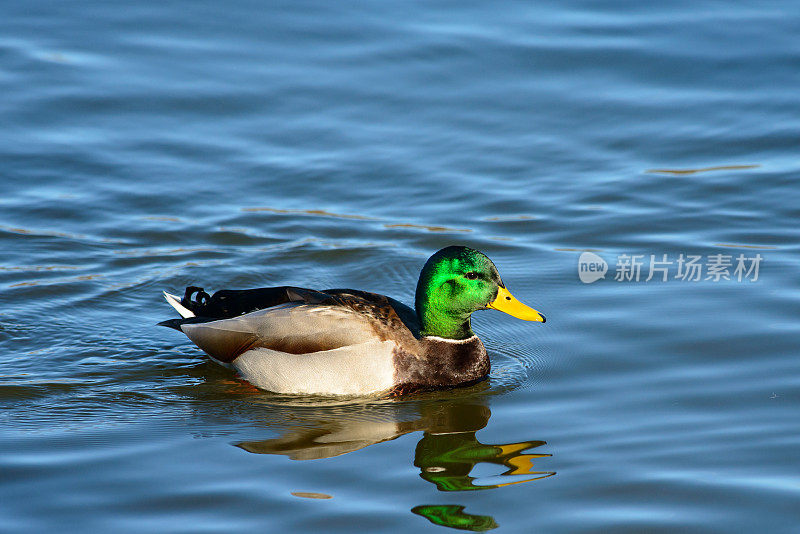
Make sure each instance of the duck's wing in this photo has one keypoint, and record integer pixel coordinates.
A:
(309, 321)
(293, 328)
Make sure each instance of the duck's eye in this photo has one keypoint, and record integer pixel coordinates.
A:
(472, 275)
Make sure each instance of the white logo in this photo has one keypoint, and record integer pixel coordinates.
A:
(591, 267)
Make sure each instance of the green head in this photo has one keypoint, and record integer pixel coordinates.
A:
(455, 282)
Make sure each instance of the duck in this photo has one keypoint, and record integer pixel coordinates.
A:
(346, 342)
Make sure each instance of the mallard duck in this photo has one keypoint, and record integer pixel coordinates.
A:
(348, 342)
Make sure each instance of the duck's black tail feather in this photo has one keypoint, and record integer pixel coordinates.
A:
(172, 323)
(227, 303)
(201, 299)
(176, 323)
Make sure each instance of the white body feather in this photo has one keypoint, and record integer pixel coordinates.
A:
(360, 369)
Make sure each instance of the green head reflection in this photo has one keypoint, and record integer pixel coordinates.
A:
(454, 516)
(449, 451)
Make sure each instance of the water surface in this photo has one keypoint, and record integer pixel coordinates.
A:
(159, 145)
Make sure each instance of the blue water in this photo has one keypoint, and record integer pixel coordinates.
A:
(154, 145)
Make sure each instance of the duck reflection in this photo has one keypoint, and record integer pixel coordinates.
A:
(454, 516)
(449, 451)
(447, 454)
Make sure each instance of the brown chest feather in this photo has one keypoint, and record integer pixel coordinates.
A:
(440, 364)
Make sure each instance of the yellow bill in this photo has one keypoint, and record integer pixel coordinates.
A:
(507, 303)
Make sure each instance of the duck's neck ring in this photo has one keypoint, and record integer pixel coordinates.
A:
(454, 341)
